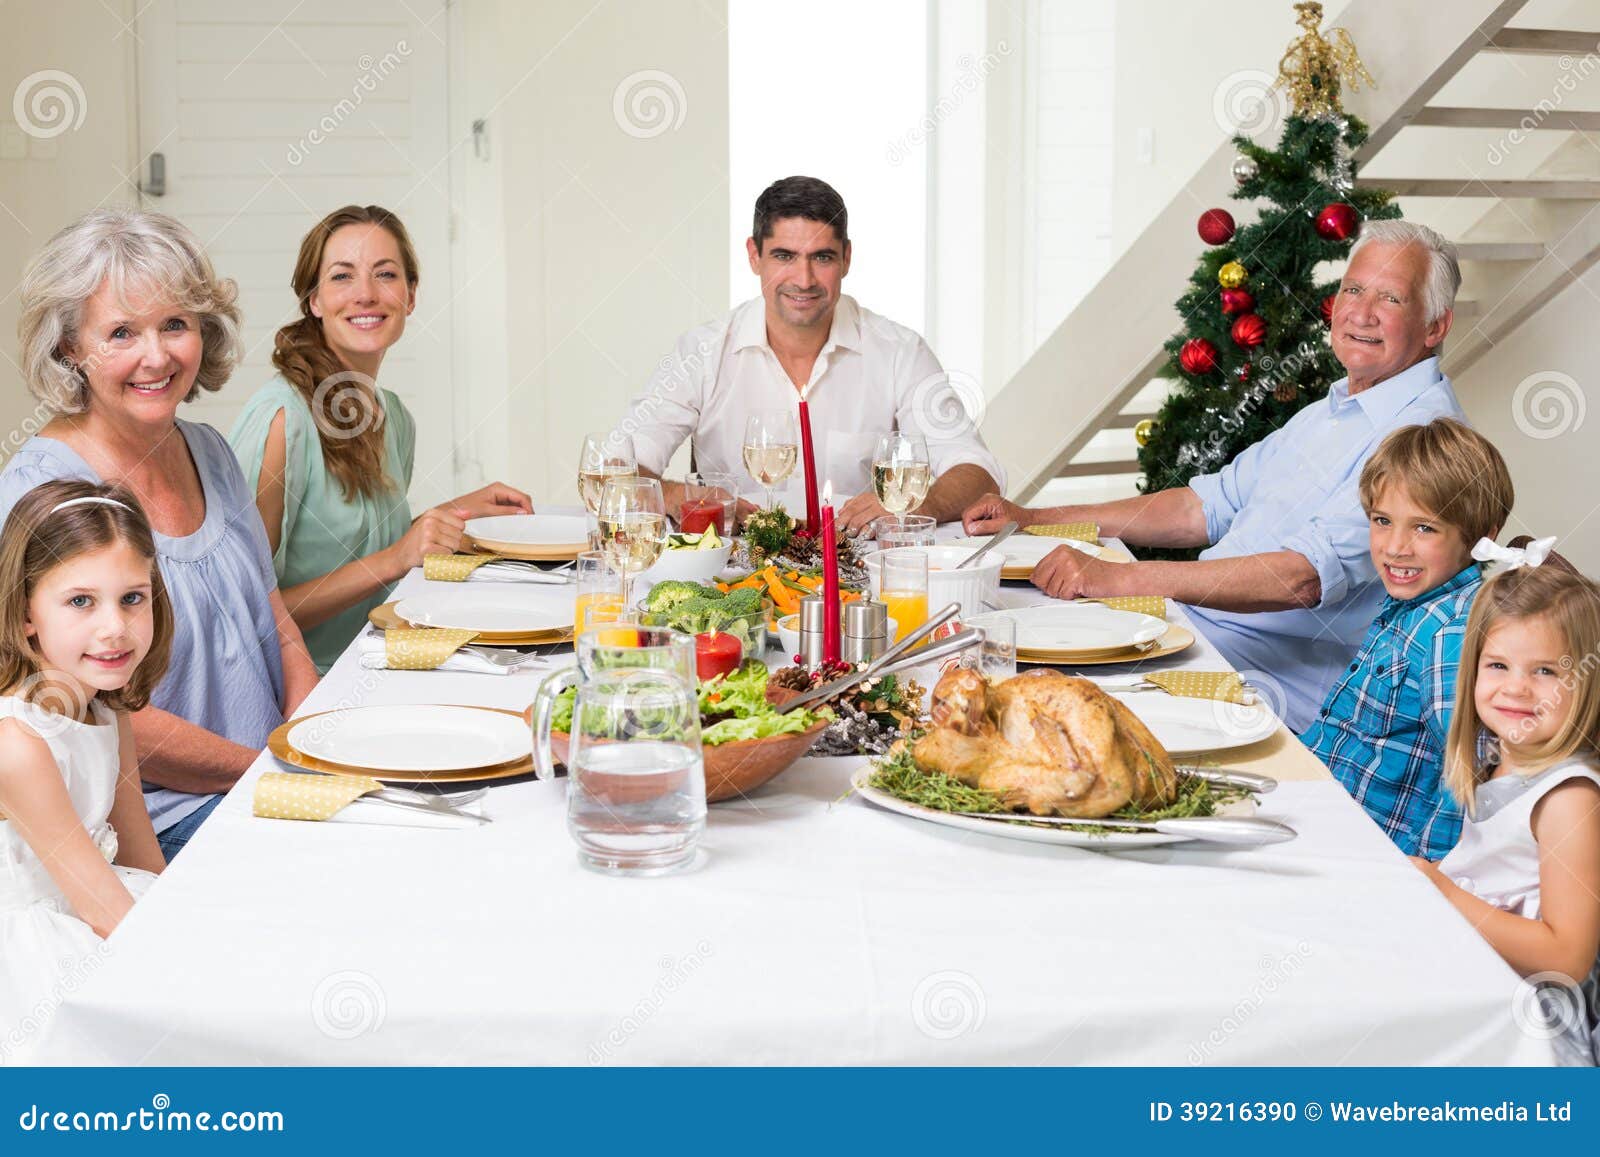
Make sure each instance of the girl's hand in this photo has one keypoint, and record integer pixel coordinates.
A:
(495, 498)
(1431, 870)
(436, 531)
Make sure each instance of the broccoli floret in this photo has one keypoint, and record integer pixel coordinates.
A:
(667, 597)
(742, 603)
(697, 615)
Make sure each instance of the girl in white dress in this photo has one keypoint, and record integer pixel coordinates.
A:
(1523, 757)
(85, 629)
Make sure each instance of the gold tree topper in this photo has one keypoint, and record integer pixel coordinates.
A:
(1315, 64)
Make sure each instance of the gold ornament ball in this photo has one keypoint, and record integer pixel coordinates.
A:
(1232, 275)
(1143, 431)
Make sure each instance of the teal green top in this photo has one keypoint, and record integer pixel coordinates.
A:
(322, 529)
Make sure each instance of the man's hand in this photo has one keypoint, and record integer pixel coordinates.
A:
(860, 513)
(1066, 573)
(991, 512)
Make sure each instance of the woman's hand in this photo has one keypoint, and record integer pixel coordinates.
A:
(436, 531)
(495, 498)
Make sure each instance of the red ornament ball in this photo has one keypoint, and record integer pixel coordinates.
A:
(1237, 301)
(1216, 226)
(1249, 331)
(1337, 221)
(1198, 356)
(1327, 309)
(1242, 374)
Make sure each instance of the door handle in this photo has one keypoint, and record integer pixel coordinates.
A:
(156, 186)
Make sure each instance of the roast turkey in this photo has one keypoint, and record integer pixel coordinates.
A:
(1047, 743)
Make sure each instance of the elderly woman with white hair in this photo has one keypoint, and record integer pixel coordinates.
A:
(122, 322)
(1286, 587)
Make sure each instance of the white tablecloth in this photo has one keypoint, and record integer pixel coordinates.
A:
(813, 930)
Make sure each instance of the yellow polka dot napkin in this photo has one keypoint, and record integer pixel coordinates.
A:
(1139, 604)
(1224, 686)
(453, 568)
(422, 648)
(290, 795)
(1082, 531)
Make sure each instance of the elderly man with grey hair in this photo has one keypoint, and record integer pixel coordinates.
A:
(1286, 587)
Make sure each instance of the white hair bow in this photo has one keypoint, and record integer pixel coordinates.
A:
(1511, 557)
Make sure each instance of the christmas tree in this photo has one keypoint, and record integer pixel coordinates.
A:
(1253, 349)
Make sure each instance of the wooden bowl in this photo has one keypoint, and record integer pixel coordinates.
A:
(732, 769)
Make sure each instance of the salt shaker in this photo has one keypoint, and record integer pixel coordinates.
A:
(866, 631)
(811, 620)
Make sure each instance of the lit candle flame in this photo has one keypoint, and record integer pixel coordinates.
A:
(827, 493)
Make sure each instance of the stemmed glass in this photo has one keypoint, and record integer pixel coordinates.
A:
(901, 473)
(633, 528)
(605, 455)
(771, 448)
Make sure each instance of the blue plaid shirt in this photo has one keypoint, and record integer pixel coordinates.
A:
(1382, 729)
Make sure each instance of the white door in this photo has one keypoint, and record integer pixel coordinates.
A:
(267, 115)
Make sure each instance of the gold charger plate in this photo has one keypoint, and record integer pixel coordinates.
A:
(1022, 572)
(385, 619)
(278, 744)
(1176, 639)
(545, 552)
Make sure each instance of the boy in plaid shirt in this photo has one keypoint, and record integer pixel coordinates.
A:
(1430, 492)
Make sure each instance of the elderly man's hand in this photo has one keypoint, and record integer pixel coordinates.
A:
(991, 512)
(1066, 573)
(860, 513)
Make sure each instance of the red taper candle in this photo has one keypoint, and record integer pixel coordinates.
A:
(830, 583)
(810, 460)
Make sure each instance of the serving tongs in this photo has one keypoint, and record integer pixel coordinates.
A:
(894, 659)
(1245, 831)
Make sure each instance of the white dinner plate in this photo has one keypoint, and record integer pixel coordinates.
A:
(415, 738)
(1023, 552)
(1033, 833)
(501, 608)
(547, 530)
(1066, 628)
(1195, 726)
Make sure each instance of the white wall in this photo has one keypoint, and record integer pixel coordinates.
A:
(1550, 431)
(56, 179)
(614, 242)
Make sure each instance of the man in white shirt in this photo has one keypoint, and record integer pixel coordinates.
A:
(862, 375)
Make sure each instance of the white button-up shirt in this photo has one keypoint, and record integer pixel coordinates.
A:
(872, 377)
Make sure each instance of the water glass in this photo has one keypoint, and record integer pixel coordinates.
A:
(599, 598)
(709, 500)
(902, 582)
(910, 530)
(996, 657)
(636, 789)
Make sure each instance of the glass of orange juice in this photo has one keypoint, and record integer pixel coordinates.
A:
(903, 588)
(599, 597)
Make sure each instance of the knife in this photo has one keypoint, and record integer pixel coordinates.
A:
(998, 537)
(1246, 831)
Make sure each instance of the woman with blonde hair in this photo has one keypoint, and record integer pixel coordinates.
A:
(123, 320)
(328, 453)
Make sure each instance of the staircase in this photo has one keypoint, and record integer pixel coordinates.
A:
(1524, 218)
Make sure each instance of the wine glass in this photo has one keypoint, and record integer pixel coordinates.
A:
(633, 527)
(606, 454)
(771, 448)
(901, 472)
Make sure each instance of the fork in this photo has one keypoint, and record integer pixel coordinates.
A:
(510, 660)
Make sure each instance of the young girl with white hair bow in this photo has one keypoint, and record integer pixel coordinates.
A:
(1523, 757)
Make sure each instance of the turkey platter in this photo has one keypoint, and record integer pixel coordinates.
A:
(1046, 743)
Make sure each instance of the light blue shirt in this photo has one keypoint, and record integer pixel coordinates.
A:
(226, 669)
(1298, 489)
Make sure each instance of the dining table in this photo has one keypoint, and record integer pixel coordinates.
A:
(813, 928)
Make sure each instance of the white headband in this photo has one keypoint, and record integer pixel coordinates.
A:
(90, 498)
(1514, 558)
